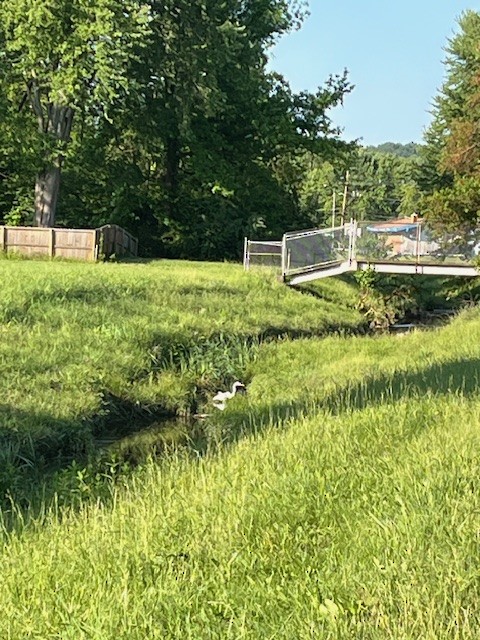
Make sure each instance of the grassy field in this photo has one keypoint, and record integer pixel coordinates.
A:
(90, 349)
(341, 500)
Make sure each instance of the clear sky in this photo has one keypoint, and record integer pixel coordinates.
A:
(394, 52)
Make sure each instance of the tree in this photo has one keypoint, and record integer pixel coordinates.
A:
(451, 168)
(458, 106)
(65, 58)
(225, 126)
(381, 185)
(170, 125)
(408, 150)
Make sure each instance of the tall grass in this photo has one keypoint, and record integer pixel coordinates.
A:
(85, 347)
(362, 525)
(348, 509)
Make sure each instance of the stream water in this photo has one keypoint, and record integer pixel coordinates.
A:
(436, 318)
(153, 437)
(150, 439)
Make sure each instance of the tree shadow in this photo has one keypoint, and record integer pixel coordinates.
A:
(460, 377)
(38, 450)
(65, 468)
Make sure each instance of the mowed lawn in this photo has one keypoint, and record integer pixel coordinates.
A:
(343, 502)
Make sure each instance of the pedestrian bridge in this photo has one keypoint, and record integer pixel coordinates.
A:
(401, 247)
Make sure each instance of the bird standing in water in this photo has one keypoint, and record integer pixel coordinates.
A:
(219, 400)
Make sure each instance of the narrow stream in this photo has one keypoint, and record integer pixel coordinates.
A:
(155, 438)
(431, 320)
(167, 432)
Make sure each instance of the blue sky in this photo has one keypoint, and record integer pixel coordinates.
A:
(394, 52)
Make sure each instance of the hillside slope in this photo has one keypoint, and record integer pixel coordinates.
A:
(349, 509)
(87, 350)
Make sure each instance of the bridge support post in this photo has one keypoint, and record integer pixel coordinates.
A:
(284, 257)
(352, 235)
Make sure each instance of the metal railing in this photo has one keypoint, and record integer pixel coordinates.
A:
(316, 249)
(262, 253)
(417, 242)
(379, 242)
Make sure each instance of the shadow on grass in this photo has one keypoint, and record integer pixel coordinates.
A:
(76, 472)
(460, 377)
(38, 450)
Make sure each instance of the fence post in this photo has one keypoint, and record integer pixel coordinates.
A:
(245, 254)
(351, 240)
(284, 256)
(3, 239)
(117, 240)
(95, 235)
(51, 243)
(354, 241)
(417, 247)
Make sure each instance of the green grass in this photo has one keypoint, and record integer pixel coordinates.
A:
(362, 525)
(86, 349)
(340, 501)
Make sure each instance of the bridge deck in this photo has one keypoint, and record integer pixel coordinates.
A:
(422, 268)
(405, 268)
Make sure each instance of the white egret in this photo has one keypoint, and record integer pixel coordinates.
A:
(219, 400)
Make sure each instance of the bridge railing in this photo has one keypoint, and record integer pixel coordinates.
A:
(416, 242)
(315, 248)
(378, 242)
(262, 253)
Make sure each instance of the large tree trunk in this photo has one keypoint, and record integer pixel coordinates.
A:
(54, 120)
(47, 187)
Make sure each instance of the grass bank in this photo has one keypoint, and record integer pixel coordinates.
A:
(349, 509)
(90, 349)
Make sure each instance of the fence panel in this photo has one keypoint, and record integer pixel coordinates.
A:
(38, 241)
(262, 253)
(76, 244)
(116, 241)
(416, 242)
(312, 249)
(444, 246)
(79, 244)
(29, 241)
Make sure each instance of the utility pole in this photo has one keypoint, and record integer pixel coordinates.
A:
(345, 194)
(334, 205)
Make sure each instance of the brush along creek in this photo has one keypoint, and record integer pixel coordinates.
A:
(286, 374)
(135, 432)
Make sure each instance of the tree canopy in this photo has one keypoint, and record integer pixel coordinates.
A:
(160, 116)
(62, 58)
(451, 158)
(360, 182)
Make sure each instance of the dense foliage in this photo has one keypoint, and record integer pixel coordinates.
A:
(161, 116)
(408, 150)
(451, 158)
(367, 183)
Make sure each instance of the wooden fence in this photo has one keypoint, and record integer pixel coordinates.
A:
(116, 241)
(78, 244)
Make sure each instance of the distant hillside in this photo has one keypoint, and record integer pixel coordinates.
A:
(396, 149)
